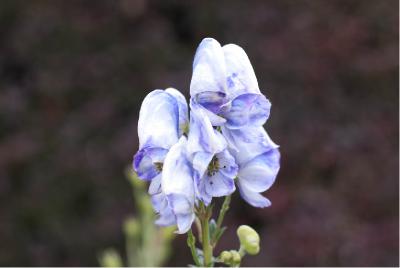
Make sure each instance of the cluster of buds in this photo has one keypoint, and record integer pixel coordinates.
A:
(249, 244)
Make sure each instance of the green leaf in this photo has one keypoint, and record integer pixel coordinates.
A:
(220, 233)
(212, 227)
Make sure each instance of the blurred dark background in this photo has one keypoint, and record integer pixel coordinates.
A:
(72, 78)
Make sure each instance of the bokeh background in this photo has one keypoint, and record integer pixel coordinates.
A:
(72, 78)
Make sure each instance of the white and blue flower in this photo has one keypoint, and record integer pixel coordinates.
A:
(188, 161)
(224, 84)
(162, 120)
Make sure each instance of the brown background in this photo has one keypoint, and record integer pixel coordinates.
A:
(73, 75)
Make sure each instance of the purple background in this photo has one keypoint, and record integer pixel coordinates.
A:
(72, 78)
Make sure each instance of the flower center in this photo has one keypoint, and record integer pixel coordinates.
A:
(213, 167)
(159, 166)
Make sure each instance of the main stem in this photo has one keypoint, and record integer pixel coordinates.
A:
(207, 248)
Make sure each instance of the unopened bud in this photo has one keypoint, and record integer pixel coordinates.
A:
(110, 258)
(131, 227)
(236, 259)
(225, 256)
(249, 239)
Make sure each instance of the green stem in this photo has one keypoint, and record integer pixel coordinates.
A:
(191, 241)
(242, 251)
(198, 226)
(207, 249)
(224, 209)
(204, 214)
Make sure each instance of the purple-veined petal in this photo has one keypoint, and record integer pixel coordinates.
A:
(155, 185)
(247, 143)
(248, 110)
(145, 160)
(182, 208)
(205, 109)
(202, 194)
(202, 135)
(218, 182)
(219, 185)
(159, 202)
(200, 161)
(212, 101)
(180, 203)
(240, 75)
(158, 120)
(177, 175)
(227, 164)
(160, 205)
(182, 108)
(209, 72)
(260, 173)
(253, 198)
(184, 222)
(166, 219)
(177, 184)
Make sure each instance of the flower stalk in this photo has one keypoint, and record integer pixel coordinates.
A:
(204, 215)
(191, 241)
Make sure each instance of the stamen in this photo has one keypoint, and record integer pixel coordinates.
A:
(159, 166)
(213, 167)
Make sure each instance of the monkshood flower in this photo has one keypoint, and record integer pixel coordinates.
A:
(177, 185)
(223, 145)
(224, 89)
(163, 120)
(258, 158)
(224, 84)
(214, 167)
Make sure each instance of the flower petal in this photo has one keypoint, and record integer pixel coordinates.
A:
(178, 186)
(158, 120)
(166, 219)
(207, 108)
(144, 162)
(209, 72)
(240, 75)
(253, 198)
(260, 173)
(219, 185)
(159, 202)
(247, 143)
(177, 172)
(184, 222)
(248, 110)
(182, 208)
(221, 182)
(202, 135)
(155, 185)
(212, 101)
(200, 161)
(227, 164)
(182, 108)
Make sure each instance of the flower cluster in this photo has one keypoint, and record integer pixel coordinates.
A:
(221, 145)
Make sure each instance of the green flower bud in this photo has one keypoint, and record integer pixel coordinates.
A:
(132, 227)
(225, 256)
(236, 259)
(110, 258)
(249, 239)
